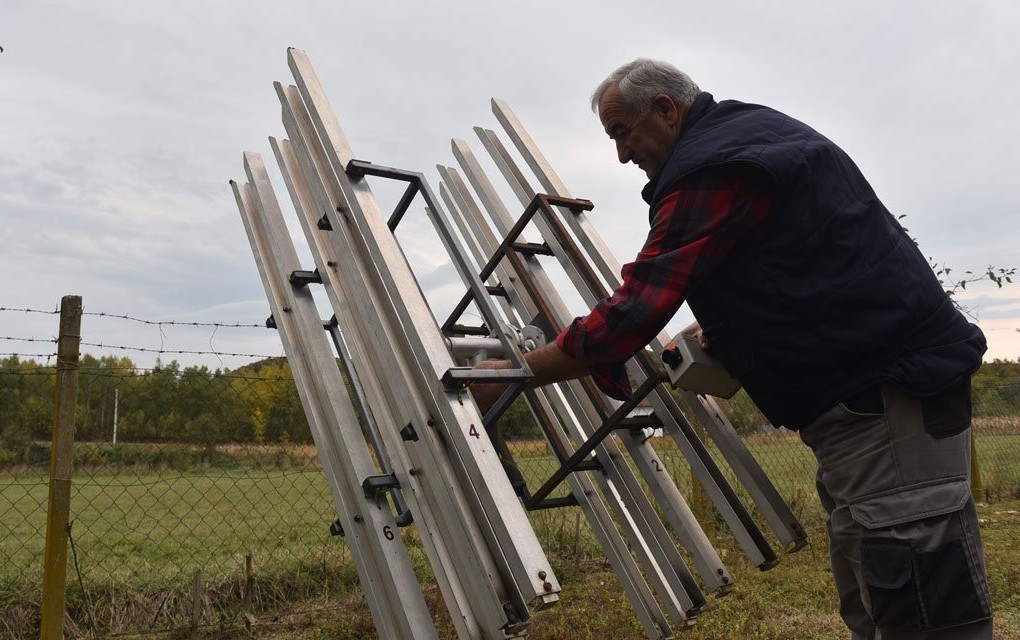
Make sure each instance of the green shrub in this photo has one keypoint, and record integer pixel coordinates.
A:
(15, 436)
(8, 457)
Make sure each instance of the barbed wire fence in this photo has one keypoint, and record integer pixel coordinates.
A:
(198, 500)
(184, 475)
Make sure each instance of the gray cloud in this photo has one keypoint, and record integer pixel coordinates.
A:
(122, 123)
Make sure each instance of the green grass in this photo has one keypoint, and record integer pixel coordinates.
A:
(127, 527)
(146, 534)
(999, 464)
(794, 601)
(142, 533)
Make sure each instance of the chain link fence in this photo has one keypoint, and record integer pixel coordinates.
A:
(179, 475)
(198, 499)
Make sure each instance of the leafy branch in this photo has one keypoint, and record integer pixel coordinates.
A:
(951, 284)
(999, 276)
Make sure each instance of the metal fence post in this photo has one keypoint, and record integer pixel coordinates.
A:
(54, 583)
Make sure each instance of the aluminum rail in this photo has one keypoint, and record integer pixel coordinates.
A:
(514, 546)
(381, 560)
(435, 499)
(482, 602)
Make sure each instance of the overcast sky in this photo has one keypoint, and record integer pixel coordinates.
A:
(121, 123)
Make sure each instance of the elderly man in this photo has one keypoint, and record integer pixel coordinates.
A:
(814, 297)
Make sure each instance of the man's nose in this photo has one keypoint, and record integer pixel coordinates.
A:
(622, 152)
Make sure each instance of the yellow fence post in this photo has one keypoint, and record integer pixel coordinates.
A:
(54, 583)
(977, 488)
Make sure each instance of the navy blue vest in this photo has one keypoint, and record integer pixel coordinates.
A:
(828, 297)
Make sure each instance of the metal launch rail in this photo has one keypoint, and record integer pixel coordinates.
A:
(402, 442)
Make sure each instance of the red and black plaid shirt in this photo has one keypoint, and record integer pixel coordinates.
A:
(694, 226)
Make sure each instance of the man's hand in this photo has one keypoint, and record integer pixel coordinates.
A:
(486, 395)
(694, 330)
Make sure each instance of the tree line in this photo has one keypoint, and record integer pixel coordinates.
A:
(259, 403)
(255, 404)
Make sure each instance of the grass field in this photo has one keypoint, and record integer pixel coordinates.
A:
(141, 534)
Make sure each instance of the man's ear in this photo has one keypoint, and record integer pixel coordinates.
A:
(668, 109)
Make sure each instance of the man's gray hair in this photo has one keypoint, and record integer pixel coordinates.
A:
(643, 79)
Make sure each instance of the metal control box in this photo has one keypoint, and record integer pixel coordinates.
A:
(690, 368)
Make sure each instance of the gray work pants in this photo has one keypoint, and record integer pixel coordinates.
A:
(893, 475)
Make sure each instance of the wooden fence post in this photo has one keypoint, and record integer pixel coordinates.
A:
(196, 605)
(977, 487)
(54, 582)
(701, 505)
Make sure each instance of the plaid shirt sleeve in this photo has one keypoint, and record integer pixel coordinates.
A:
(693, 228)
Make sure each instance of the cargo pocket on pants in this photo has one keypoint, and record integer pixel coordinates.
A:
(916, 558)
(888, 567)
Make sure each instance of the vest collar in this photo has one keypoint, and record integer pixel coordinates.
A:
(701, 105)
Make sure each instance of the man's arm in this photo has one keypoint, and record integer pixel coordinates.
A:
(548, 364)
(693, 228)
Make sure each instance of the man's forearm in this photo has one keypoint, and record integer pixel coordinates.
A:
(550, 364)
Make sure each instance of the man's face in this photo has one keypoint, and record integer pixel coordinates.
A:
(644, 140)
